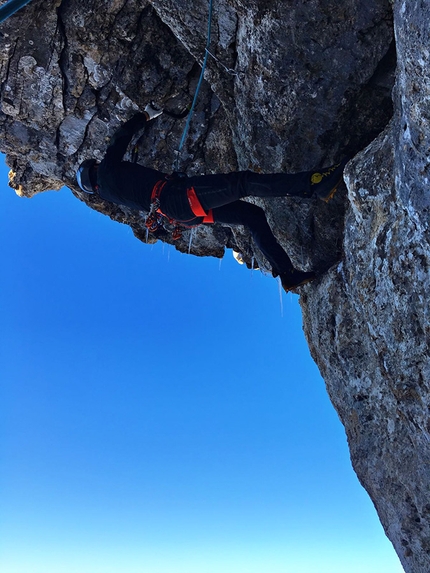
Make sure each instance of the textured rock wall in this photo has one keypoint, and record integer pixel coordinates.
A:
(367, 322)
(311, 81)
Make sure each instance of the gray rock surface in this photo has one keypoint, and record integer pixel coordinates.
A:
(367, 322)
(311, 81)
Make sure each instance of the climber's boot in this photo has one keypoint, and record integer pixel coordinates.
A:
(324, 183)
(294, 278)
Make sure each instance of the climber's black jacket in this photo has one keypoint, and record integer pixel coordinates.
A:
(130, 184)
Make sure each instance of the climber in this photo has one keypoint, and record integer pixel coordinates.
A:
(191, 201)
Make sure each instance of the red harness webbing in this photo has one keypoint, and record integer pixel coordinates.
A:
(156, 191)
(196, 206)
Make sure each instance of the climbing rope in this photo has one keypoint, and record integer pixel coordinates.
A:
(205, 60)
(11, 7)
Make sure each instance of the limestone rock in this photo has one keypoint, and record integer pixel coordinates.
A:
(367, 322)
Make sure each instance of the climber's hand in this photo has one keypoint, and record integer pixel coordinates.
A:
(152, 111)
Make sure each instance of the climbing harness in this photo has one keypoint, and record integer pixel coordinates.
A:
(156, 218)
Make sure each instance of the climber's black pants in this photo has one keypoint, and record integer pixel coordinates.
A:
(222, 192)
(218, 190)
(254, 218)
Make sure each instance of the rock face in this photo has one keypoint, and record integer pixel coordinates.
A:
(294, 86)
(368, 320)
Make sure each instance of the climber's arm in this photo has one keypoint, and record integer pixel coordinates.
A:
(122, 137)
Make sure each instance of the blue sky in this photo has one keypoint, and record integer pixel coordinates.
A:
(159, 414)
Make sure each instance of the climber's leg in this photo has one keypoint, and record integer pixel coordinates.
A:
(217, 190)
(324, 183)
(254, 218)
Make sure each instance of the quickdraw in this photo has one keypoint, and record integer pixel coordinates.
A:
(154, 220)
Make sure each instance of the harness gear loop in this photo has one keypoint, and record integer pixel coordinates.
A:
(154, 219)
(156, 191)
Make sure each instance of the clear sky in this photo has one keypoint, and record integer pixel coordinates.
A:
(159, 414)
